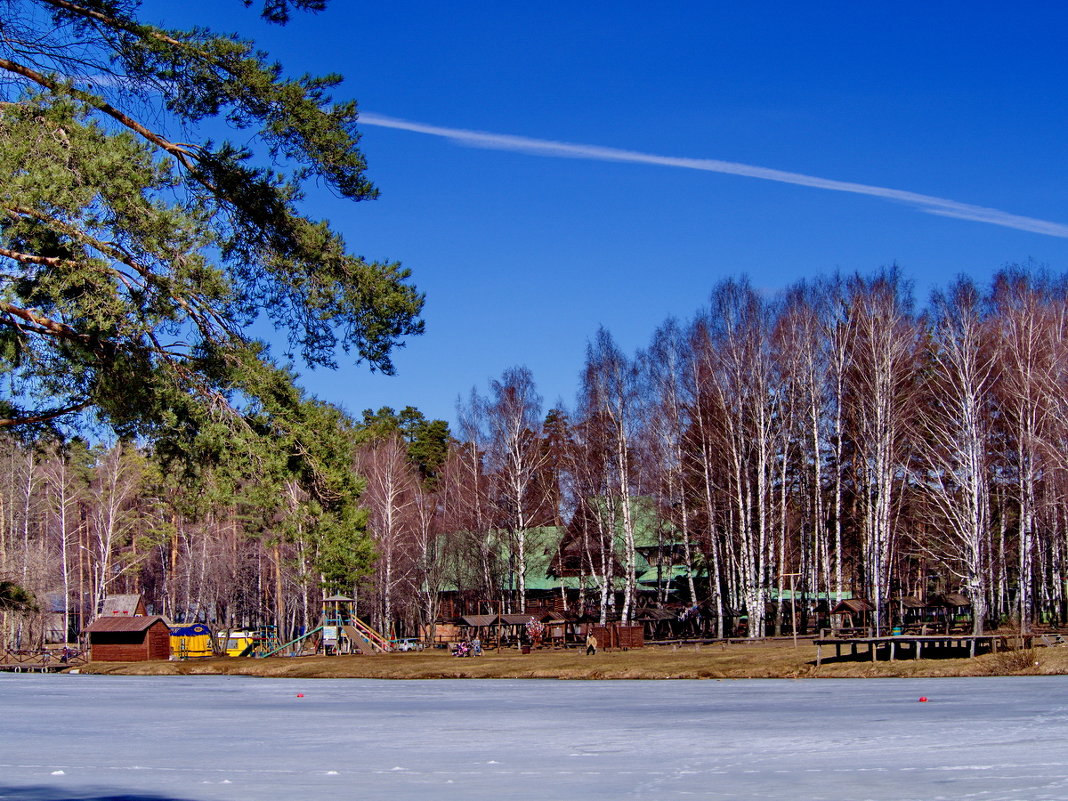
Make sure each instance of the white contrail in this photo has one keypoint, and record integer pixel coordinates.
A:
(548, 147)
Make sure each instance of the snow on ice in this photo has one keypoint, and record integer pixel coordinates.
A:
(86, 738)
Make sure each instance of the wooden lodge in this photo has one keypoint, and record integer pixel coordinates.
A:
(138, 638)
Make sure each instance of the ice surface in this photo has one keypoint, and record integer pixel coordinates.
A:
(223, 738)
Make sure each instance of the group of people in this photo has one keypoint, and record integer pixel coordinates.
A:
(465, 648)
(474, 647)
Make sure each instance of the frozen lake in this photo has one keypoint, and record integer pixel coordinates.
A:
(207, 738)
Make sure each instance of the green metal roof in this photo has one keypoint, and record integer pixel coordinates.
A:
(649, 575)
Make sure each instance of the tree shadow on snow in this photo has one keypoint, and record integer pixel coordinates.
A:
(87, 794)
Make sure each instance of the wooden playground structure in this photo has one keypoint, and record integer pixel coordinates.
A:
(341, 632)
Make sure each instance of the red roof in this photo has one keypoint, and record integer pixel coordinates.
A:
(135, 623)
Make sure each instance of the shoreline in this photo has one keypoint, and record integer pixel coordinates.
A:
(757, 660)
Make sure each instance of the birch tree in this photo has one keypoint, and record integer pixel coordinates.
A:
(1028, 326)
(117, 483)
(390, 497)
(608, 397)
(591, 531)
(746, 425)
(517, 461)
(881, 376)
(65, 481)
(803, 349)
(664, 423)
(952, 438)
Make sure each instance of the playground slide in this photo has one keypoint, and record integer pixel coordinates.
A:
(359, 640)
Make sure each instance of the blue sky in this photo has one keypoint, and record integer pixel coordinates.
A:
(522, 256)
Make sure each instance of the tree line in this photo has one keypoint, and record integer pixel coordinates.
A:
(831, 437)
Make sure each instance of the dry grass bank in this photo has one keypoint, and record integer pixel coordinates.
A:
(736, 661)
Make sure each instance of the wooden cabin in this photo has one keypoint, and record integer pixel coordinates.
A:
(139, 638)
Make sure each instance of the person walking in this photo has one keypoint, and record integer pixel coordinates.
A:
(591, 644)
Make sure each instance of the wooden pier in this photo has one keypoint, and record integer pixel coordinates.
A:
(917, 646)
(38, 661)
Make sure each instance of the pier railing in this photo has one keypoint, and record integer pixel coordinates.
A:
(39, 660)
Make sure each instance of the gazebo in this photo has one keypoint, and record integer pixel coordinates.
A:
(953, 609)
(852, 613)
(659, 624)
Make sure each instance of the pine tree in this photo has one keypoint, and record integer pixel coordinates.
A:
(131, 263)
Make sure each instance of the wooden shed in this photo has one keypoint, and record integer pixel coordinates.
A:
(139, 638)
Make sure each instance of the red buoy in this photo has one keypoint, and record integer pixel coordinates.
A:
(923, 699)
(301, 695)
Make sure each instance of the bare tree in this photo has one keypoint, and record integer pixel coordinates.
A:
(468, 513)
(881, 378)
(702, 461)
(517, 460)
(589, 546)
(744, 416)
(665, 420)
(609, 402)
(952, 439)
(1028, 313)
(805, 353)
(117, 484)
(390, 495)
(65, 484)
(431, 544)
